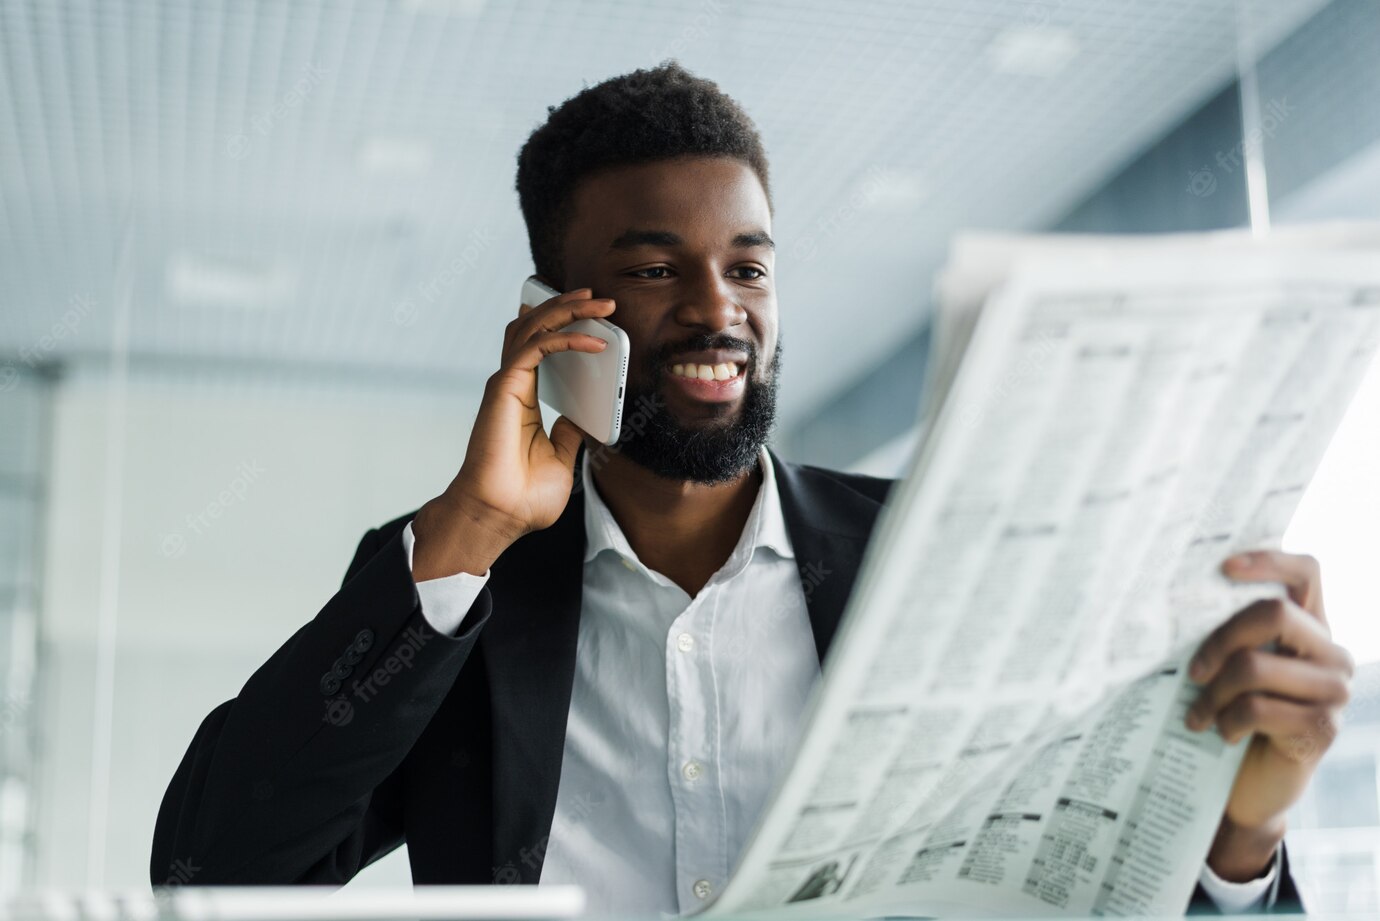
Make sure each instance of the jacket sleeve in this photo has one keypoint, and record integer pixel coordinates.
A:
(1286, 900)
(296, 779)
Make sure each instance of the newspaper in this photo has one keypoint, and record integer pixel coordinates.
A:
(999, 729)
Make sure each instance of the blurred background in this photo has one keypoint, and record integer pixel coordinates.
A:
(256, 259)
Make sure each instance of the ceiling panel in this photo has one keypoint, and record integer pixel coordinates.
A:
(331, 182)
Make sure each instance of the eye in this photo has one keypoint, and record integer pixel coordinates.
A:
(662, 268)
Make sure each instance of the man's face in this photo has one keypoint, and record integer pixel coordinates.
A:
(683, 247)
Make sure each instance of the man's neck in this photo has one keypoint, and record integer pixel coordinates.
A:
(683, 530)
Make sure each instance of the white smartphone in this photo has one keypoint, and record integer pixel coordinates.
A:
(586, 387)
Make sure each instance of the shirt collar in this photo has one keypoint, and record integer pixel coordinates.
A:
(765, 526)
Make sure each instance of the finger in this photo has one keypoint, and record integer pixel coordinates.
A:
(1291, 726)
(1251, 670)
(572, 293)
(1299, 572)
(543, 344)
(566, 438)
(551, 318)
(520, 328)
(559, 313)
(1270, 620)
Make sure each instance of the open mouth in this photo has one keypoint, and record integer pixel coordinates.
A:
(707, 379)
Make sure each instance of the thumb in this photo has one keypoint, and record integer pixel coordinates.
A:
(566, 438)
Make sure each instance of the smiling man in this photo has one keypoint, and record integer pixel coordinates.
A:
(557, 669)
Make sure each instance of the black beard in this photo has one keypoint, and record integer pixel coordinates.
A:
(714, 452)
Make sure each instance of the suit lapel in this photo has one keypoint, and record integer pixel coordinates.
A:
(529, 651)
(829, 524)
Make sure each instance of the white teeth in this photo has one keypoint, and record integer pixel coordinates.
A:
(723, 371)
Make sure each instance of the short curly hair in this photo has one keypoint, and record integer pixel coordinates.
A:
(647, 115)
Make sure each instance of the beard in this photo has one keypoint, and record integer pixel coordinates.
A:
(712, 451)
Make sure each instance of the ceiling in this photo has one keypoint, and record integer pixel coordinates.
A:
(329, 184)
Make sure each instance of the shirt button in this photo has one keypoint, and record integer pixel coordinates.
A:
(685, 642)
(692, 771)
(628, 564)
(703, 889)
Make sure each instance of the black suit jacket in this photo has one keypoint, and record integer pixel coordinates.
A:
(367, 728)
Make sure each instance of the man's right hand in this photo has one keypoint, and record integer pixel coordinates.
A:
(515, 479)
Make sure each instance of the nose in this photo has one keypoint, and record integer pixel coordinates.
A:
(709, 302)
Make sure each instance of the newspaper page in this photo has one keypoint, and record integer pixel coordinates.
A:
(1000, 725)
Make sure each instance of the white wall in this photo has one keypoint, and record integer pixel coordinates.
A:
(240, 507)
(23, 478)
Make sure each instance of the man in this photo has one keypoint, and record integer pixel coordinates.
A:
(557, 669)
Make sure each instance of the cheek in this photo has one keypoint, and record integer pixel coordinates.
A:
(768, 336)
(639, 342)
(640, 356)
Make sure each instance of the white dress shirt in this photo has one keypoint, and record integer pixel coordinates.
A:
(683, 714)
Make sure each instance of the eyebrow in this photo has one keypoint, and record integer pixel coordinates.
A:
(631, 239)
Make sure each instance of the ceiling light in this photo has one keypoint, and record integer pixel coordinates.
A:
(893, 190)
(1034, 51)
(444, 7)
(200, 279)
(394, 156)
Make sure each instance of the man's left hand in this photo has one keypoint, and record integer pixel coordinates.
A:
(1271, 670)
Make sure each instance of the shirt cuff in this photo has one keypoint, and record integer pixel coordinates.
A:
(446, 600)
(1237, 898)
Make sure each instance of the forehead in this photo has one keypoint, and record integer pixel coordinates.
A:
(709, 197)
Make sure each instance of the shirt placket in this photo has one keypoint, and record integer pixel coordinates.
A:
(693, 753)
